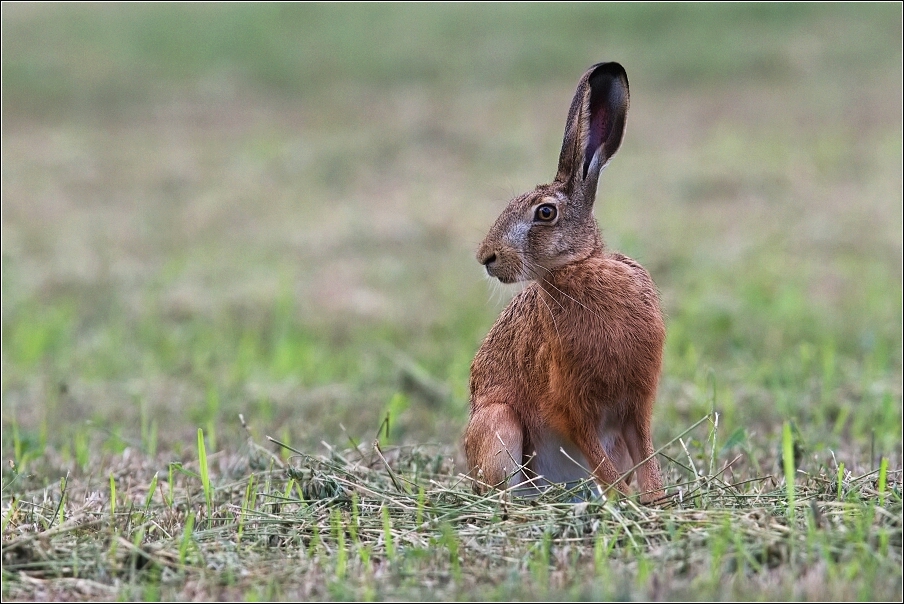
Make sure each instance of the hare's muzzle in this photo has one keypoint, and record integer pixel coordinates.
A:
(498, 268)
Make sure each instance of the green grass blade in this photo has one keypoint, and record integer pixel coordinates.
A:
(387, 534)
(205, 473)
(112, 497)
(840, 489)
(151, 489)
(883, 473)
(186, 540)
(341, 551)
(788, 466)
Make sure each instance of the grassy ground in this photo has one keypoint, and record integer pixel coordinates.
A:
(271, 211)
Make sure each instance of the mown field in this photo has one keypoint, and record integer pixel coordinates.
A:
(225, 226)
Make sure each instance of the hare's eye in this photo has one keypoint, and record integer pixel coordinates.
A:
(545, 213)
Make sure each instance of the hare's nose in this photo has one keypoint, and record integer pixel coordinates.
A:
(488, 259)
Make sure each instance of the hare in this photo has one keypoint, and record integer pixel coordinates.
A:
(564, 382)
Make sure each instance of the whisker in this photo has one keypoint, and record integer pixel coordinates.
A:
(573, 299)
(551, 314)
(539, 280)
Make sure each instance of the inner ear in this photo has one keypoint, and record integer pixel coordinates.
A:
(605, 115)
(597, 129)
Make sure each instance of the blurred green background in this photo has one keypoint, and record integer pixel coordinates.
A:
(272, 210)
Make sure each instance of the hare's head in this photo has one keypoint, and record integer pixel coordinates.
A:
(553, 225)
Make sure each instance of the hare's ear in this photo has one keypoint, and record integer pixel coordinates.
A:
(595, 127)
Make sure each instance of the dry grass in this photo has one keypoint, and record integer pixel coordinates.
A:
(369, 523)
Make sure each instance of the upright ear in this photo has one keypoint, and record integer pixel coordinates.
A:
(595, 128)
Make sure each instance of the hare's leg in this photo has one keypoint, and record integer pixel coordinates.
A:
(601, 464)
(640, 444)
(493, 445)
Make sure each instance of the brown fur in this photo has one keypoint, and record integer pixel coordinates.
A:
(577, 354)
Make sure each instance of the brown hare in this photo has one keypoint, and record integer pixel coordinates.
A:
(565, 380)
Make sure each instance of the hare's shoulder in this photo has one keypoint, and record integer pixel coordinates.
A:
(634, 267)
(642, 282)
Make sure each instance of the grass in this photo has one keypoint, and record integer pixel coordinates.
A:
(226, 223)
(349, 530)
